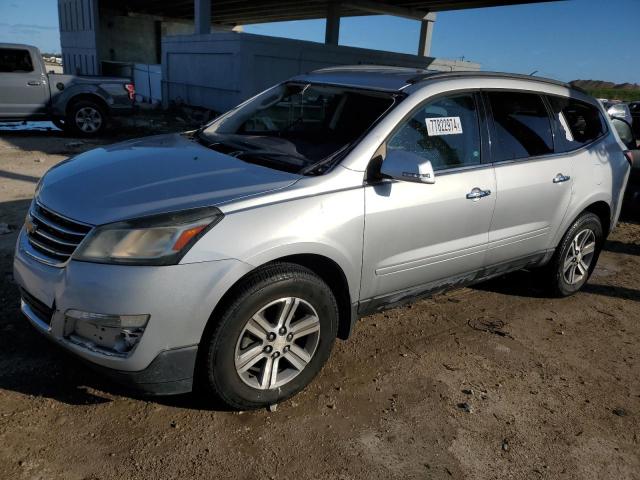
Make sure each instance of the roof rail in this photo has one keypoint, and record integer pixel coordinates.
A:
(436, 75)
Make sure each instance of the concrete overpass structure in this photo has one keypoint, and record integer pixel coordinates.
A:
(205, 59)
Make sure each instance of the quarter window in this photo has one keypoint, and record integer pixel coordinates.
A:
(578, 123)
(13, 60)
(445, 132)
(522, 126)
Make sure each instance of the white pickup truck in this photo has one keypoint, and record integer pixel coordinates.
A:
(81, 105)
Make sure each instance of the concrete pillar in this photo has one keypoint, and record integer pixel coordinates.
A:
(332, 29)
(426, 31)
(202, 16)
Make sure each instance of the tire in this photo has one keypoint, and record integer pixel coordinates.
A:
(238, 351)
(586, 230)
(86, 118)
(60, 123)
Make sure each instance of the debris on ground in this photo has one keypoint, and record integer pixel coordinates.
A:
(5, 228)
(495, 327)
(553, 409)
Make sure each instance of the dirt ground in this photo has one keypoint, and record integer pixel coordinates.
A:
(494, 381)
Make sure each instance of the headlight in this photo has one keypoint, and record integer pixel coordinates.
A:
(154, 240)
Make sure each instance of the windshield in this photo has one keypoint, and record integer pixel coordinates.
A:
(297, 126)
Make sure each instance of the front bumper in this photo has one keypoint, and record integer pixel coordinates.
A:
(178, 298)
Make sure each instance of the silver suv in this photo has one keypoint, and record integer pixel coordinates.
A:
(233, 256)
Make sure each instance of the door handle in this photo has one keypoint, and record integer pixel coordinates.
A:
(33, 83)
(559, 178)
(477, 193)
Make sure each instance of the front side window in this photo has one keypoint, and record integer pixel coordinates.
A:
(445, 131)
(13, 60)
(521, 126)
(578, 123)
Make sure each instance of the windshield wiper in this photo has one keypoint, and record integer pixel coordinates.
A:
(289, 162)
(326, 160)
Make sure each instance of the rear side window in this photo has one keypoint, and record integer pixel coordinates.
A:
(578, 123)
(444, 131)
(521, 126)
(13, 60)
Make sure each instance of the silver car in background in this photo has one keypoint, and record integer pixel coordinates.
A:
(235, 255)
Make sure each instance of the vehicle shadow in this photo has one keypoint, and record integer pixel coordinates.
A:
(522, 283)
(32, 365)
(622, 247)
(527, 284)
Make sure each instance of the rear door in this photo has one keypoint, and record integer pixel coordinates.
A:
(418, 236)
(23, 88)
(534, 183)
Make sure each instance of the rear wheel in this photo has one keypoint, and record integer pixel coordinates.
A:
(86, 118)
(272, 339)
(576, 255)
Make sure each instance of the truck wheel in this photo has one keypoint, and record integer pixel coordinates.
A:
(60, 123)
(272, 338)
(86, 118)
(576, 256)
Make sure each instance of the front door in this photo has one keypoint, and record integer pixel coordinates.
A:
(23, 89)
(420, 236)
(534, 185)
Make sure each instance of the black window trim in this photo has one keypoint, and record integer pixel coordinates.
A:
(487, 135)
(482, 127)
(491, 122)
(556, 126)
(547, 156)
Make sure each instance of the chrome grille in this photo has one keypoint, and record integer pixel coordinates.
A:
(52, 235)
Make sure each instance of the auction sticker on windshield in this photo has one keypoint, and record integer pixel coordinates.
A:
(443, 126)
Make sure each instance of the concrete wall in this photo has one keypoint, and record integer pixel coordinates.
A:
(219, 70)
(78, 27)
(127, 39)
(148, 81)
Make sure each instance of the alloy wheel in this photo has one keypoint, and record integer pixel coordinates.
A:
(88, 119)
(579, 257)
(277, 343)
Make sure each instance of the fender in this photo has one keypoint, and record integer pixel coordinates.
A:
(575, 210)
(60, 98)
(64, 88)
(346, 264)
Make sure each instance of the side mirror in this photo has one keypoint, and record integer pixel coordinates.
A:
(407, 167)
(625, 132)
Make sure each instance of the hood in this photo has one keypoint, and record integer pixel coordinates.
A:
(151, 175)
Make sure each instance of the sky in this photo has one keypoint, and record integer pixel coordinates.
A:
(568, 40)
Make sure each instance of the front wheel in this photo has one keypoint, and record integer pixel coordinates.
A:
(272, 339)
(576, 255)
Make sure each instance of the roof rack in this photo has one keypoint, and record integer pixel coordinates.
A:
(436, 75)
